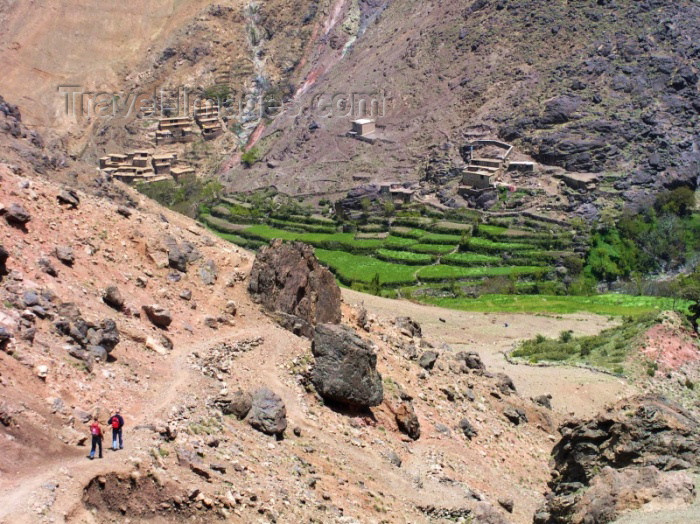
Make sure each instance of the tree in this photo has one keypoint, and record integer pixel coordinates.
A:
(465, 240)
(679, 202)
(688, 288)
(375, 286)
(250, 157)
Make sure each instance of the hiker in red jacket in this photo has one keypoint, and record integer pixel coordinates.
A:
(96, 432)
(117, 423)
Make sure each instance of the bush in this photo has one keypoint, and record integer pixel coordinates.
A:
(250, 157)
(566, 336)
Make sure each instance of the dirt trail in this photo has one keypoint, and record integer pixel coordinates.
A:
(574, 390)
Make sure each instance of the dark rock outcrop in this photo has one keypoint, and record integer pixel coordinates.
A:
(268, 413)
(640, 444)
(345, 368)
(288, 281)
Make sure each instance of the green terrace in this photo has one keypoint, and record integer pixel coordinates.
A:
(400, 253)
(458, 261)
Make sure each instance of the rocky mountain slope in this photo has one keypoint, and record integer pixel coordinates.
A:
(136, 307)
(607, 87)
(167, 343)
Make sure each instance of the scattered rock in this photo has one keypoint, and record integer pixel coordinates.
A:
(68, 197)
(603, 464)
(177, 258)
(124, 211)
(345, 368)
(238, 404)
(507, 504)
(113, 298)
(471, 359)
(16, 215)
(159, 316)
(46, 266)
(543, 400)
(230, 308)
(5, 337)
(65, 255)
(466, 428)
(427, 360)
(409, 326)
(290, 283)
(267, 413)
(42, 371)
(186, 294)
(4, 255)
(208, 273)
(407, 421)
(505, 384)
(515, 415)
(393, 458)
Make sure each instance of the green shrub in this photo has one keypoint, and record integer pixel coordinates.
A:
(566, 336)
(250, 157)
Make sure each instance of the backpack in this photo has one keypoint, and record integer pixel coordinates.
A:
(95, 429)
(115, 423)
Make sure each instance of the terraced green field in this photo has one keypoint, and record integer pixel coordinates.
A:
(432, 260)
(441, 272)
(405, 257)
(351, 268)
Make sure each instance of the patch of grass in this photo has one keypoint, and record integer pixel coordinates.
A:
(457, 272)
(607, 350)
(609, 305)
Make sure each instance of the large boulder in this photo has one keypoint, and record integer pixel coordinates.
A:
(288, 281)
(268, 413)
(635, 443)
(345, 368)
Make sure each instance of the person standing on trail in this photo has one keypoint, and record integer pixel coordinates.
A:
(117, 423)
(96, 432)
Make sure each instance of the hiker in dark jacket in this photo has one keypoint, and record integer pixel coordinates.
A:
(117, 423)
(96, 432)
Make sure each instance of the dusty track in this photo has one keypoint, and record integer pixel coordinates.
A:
(574, 390)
